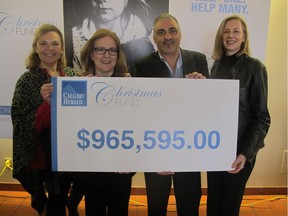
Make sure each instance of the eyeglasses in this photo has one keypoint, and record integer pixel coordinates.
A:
(102, 51)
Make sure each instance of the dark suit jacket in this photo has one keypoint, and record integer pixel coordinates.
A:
(153, 66)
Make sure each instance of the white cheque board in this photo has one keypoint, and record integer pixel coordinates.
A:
(143, 124)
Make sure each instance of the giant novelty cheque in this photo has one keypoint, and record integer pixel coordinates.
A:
(143, 124)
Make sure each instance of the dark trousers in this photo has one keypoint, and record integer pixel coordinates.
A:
(106, 193)
(37, 182)
(187, 189)
(225, 191)
(56, 204)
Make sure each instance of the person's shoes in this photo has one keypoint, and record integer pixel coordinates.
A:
(39, 205)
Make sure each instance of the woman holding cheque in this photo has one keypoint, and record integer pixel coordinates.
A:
(233, 61)
(31, 119)
(106, 193)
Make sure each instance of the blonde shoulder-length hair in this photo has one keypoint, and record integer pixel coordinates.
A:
(85, 56)
(33, 59)
(219, 49)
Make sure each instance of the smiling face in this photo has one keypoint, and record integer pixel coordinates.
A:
(49, 49)
(233, 36)
(167, 36)
(104, 63)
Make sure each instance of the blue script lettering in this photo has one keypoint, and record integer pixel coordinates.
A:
(6, 23)
(32, 22)
(105, 93)
(137, 93)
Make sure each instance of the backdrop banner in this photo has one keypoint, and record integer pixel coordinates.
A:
(143, 125)
(18, 21)
(198, 20)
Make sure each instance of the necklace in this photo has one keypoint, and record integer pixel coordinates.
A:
(53, 73)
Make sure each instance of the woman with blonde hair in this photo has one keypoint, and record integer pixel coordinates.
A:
(31, 120)
(233, 61)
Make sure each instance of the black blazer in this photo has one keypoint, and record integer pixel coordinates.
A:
(153, 66)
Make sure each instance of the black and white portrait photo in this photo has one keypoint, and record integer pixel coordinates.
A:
(131, 20)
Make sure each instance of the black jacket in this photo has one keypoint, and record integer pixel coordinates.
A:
(153, 66)
(254, 117)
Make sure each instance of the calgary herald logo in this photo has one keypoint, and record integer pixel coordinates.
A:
(74, 93)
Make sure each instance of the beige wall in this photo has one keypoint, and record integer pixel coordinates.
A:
(267, 172)
(268, 167)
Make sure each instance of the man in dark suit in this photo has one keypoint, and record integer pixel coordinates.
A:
(172, 62)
